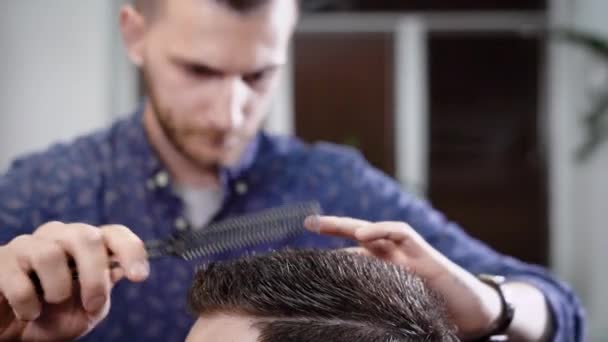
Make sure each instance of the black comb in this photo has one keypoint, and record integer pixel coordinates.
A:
(271, 225)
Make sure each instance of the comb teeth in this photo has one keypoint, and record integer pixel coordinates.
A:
(249, 230)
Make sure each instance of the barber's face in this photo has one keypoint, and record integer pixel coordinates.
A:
(228, 328)
(210, 72)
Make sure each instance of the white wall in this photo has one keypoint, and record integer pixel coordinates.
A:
(579, 190)
(59, 71)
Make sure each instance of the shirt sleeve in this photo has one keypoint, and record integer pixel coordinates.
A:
(59, 184)
(369, 194)
(20, 209)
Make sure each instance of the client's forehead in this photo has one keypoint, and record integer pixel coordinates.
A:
(223, 327)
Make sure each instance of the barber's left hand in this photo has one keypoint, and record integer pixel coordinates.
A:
(473, 305)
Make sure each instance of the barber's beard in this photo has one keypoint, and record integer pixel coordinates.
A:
(180, 138)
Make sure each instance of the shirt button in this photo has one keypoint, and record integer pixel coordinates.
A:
(161, 179)
(241, 188)
(181, 224)
(150, 184)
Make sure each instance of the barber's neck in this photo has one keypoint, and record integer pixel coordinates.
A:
(183, 171)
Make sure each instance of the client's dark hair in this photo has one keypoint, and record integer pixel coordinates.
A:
(311, 296)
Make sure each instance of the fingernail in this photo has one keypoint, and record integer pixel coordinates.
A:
(140, 270)
(95, 304)
(312, 223)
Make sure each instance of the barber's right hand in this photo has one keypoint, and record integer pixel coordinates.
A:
(68, 308)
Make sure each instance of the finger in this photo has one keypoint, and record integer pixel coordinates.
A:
(390, 252)
(86, 246)
(344, 227)
(15, 284)
(128, 250)
(387, 250)
(396, 232)
(21, 296)
(379, 247)
(50, 263)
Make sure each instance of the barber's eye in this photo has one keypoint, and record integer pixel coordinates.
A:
(200, 71)
(256, 77)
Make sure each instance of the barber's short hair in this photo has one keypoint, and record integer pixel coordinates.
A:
(308, 295)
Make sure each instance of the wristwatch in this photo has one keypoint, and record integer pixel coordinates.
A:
(498, 330)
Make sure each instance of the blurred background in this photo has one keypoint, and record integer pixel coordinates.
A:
(467, 103)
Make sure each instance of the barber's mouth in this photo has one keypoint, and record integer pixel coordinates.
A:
(225, 143)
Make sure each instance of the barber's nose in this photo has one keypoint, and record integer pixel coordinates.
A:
(230, 102)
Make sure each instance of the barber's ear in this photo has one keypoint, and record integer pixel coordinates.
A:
(133, 28)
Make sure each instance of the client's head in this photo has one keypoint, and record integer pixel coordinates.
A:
(306, 296)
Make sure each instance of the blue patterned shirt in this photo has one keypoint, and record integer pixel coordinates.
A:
(114, 177)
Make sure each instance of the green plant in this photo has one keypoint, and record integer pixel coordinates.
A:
(596, 119)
